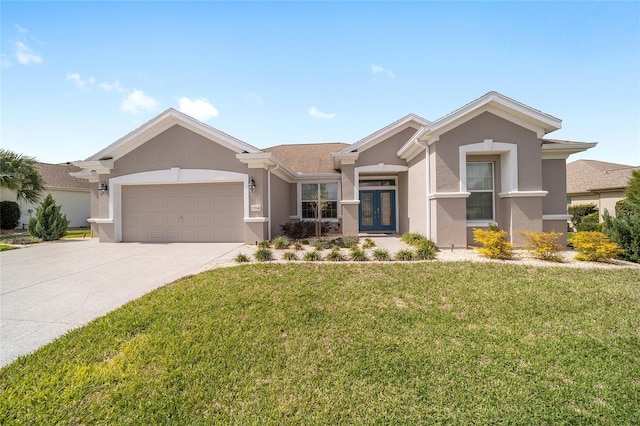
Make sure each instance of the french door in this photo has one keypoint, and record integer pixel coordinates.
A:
(377, 211)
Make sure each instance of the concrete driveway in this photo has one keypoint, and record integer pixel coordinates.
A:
(50, 288)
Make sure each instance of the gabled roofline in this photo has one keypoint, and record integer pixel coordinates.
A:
(378, 136)
(162, 122)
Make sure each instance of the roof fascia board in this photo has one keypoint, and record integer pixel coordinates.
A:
(266, 160)
(413, 146)
(346, 158)
(102, 167)
(378, 136)
(562, 152)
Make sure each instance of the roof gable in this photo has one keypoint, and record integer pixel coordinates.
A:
(161, 123)
(409, 120)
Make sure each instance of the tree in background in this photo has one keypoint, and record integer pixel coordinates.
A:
(49, 224)
(19, 173)
(624, 229)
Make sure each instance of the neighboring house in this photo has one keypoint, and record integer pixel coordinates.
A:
(177, 179)
(597, 182)
(70, 193)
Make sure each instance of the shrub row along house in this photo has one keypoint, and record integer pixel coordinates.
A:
(177, 179)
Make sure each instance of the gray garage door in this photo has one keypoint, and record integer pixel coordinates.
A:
(211, 212)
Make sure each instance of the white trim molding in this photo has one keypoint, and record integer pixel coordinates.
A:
(437, 195)
(508, 162)
(523, 194)
(375, 168)
(556, 216)
(256, 219)
(349, 202)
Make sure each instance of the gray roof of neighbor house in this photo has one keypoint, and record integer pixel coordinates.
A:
(307, 158)
(585, 176)
(57, 176)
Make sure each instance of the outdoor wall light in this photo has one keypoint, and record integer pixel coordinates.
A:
(103, 188)
(252, 184)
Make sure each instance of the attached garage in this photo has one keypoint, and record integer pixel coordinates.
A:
(203, 212)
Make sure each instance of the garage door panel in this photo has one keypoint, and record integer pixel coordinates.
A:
(183, 212)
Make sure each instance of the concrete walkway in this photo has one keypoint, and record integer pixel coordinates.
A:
(50, 288)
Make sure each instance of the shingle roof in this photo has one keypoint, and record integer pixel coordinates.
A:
(307, 158)
(591, 175)
(57, 176)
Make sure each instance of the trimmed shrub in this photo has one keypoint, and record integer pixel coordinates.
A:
(358, 255)
(381, 255)
(302, 229)
(594, 246)
(281, 243)
(9, 214)
(335, 255)
(312, 256)
(242, 258)
(368, 243)
(263, 255)
(543, 245)
(579, 211)
(405, 254)
(49, 224)
(624, 230)
(425, 251)
(289, 255)
(493, 243)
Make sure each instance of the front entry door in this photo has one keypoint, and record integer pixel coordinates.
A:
(377, 211)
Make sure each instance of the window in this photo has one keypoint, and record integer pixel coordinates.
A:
(480, 185)
(326, 191)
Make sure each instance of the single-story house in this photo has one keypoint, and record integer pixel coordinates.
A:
(599, 183)
(177, 179)
(70, 193)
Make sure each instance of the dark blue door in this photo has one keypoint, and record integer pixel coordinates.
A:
(377, 211)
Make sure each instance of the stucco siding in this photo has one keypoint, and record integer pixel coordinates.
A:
(279, 205)
(415, 193)
(554, 181)
(386, 151)
(75, 204)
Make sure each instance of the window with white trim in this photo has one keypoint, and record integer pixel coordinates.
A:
(311, 192)
(480, 184)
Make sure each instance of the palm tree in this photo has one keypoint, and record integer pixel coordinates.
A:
(19, 173)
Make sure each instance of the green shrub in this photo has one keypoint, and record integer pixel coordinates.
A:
(381, 255)
(323, 244)
(579, 211)
(594, 246)
(9, 214)
(412, 238)
(289, 255)
(335, 255)
(348, 241)
(242, 258)
(358, 255)
(264, 244)
(281, 243)
(263, 254)
(302, 229)
(624, 230)
(543, 245)
(297, 246)
(590, 222)
(49, 224)
(22, 240)
(405, 254)
(493, 243)
(368, 243)
(312, 256)
(426, 250)
(305, 242)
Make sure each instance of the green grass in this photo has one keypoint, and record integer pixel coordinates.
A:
(5, 247)
(422, 343)
(78, 233)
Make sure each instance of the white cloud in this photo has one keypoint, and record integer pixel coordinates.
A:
(79, 82)
(137, 101)
(25, 55)
(377, 69)
(116, 86)
(255, 98)
(200, 109)
(314, 112)
(21, 29)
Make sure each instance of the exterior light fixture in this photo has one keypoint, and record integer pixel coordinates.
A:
(252, 184)
(103, 188)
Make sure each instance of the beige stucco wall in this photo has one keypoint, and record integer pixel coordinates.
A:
(76, 204)
(386, 150)
(414, 192)
(602, 200)
(554, 181)
(279, 204)
(449, 224)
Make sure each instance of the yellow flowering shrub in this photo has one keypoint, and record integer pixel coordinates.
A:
(594, 246)
(543, 245)
(493, 243)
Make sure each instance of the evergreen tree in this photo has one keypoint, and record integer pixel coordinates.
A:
(625, 228)
(49, 224)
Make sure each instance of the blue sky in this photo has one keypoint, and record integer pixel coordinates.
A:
(76, 76)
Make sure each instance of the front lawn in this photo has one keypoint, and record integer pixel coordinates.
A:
(459, 343)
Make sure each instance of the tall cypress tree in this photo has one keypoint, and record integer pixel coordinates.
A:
(49, 224)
